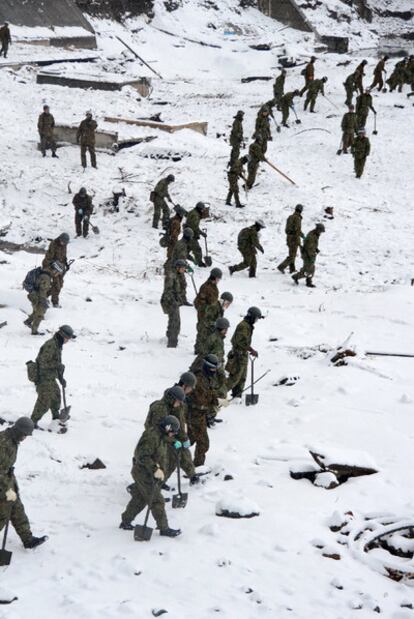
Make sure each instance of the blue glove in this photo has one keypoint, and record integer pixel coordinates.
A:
(177, 444)
(187, 444)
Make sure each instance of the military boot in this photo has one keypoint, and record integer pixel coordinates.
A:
(170, 532)
(282, 270)
(228, 199)
(292, 268)
(33, 542)
(295, 279)
(252, 272)
(231, 270)
(309, 283)
(126, 526)
(27, 322)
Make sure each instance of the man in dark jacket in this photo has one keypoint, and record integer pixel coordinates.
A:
(248, 244)
(46, 127)
(85, 136)
(82, 202)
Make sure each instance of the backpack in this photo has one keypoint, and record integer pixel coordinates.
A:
(32, 371)
(29, 283)
(303, 72)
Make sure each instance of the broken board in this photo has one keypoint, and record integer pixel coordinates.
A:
(199, 127)
(94, 82)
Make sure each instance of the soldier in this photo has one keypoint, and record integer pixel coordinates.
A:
(309, 74)
(294, 235)
(46, 126)
(309, 252)
(149, 466)
(57, 251)
(350, 87)
(236, 137)
(172, 298)
(11, 506)
(182, 251)
(216, 310)
(49, 369)
(159, 196)
(363, 105)
(349, 126)
(194, 217)
(180, 448)
(263, 126)
(397, 77)
(82, 202)
(286, 104)
(38, 296)
(248, 243)
(360, 150)
(314, 88)
(86, 137)
(279, 87)
(202, 403)
(238, 357)
(173, 229)
(236, 171)
(5, 39)
(256, 155)
(207, 295)
(359, 75)
(378, 71)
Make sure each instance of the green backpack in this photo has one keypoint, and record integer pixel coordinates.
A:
(32, 371)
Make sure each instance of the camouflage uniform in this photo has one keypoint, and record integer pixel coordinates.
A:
(46, 126)
(236, 171)
(256, 155)
(157, 411)
(248, 243)
(50, 368)
(262, 127)
(201, 403)
(238, 357)
(38, 299)
(83, 210)
(314, 88)
(286, 104)
(293, 231)
(5, 40)
(207, 295)
(349, 126)
(193, 221)
(172, 298)
(8, 509)
(57, 252)
(360, 150)
(349, 88)
(213, 344)
(181, 251)
(378, 79)
(236, 139)
(161, 194)
(86, 136)
(150, 454)
(359, 75)
(278, 88)
(173, 232)
(309, 253)
(397, 77)
(309, 76)
(363, 105)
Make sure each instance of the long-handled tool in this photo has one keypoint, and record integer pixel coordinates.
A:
(375, 132)
(331, 102)
(179, 500)
(279, 171)
(339, 151)
(297, 121)
(143, 533)
(194, 284)
(207, 259)
(5, 555)
(65, 411)
(95, 229)
(278, 127)
(254, 383)
(251, 398)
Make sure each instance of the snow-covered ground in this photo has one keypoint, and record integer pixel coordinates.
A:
(269, 565)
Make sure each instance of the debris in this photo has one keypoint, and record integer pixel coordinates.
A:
(11, 248)
(199, 127)
(262, 47)
(94, 466)
(247, 80)
(233, 506)
(339, 358)
(342, 471)
(388, 354)
(3, 324)
(334, 556)
(327, 480)
(112, 81)
(287, 381)
(171, 34)
(159, 612)
(139, 57)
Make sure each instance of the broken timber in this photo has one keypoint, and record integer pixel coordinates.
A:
(199, 127)
(66, 134)
(389, 354)
(139, 57)
(94, 82)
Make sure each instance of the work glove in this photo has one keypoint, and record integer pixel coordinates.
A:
(194, 479)
(203, 234)
(177, 444)
(80, 211)
(261, 249)
(254, 353)
(190, 270)
(210, 419)
(223, 402)
(187, 444)
(11, 496)
(62, 382)
(159, 474)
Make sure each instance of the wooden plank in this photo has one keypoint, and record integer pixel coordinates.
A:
(199, 127)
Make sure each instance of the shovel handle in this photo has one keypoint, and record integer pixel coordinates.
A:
(178, 473)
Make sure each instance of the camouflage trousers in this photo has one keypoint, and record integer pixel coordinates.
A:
(18, 518)
(48, 398)
(203, 331)
(310, 100)
(359, 164)
(81, 224)
(349, 95)
(378, 81)
(174, 324)
(141, 493)
(4, 48)
(195, 249)
(290, 260)
(233, 188)
(348, 138)
(362, 116)
(198, 435)
(57, 285)
(306, 86)
(160, 206)
(91, 149)
(46, 143)
(186, 462)
(237, 372)
(249, 262)
(285, 114)
(252, 168)
(234, 155)
(307, 270)
(39, 308)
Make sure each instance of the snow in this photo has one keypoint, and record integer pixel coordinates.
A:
(249, 568)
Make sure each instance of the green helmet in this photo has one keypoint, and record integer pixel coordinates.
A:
(222, 324)
(23, 427)
(254, 312)
(211, 362)
(180, 263)
(188, 379)
(170, 424)
(299, 208)
(226, 296)
(216, 273)
(188, 234)
(176, 393)
(320, 227)
(67, 331)
(64, 238)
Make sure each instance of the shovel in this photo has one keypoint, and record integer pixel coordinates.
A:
(278, 128)
(179, 500)
(297, 121)
(5, 555)
(375, 132)
(252, 398)
(64, 414)
(95, 229)
(339, 151)
(207, 259)
(142, 533)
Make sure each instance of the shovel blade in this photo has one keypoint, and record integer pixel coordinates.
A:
(180, 500)
(95, 229)
(5, 557)
(298, 122)
(64, 414)
(142, 533)
(339, 152)
(252, 399)
(208, 261)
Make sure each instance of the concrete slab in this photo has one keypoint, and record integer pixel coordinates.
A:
(40, 55)
(94, 82)
(44, 13)
(104, 140)
(199, 127)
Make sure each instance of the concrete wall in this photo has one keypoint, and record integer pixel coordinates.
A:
(33, 13)
(286, 11)
(103, 139)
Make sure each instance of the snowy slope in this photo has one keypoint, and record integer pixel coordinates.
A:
(267, 566)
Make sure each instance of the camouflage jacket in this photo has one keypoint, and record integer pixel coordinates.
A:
(211, 313)
(204, 397)
(248, 240)
(150, 453)
(310, 71)
(293, 227)
(193, 222)
(86, 132)
(174, 292)
(279, 86)
(350, 80)
(161, 189)
(207, 295)
(361, 147)
(242, 338)
(363, 103)
(181, 251)
(237, 169)
(380, 68)
(56, 251)
(215, 345)
(49, 360)
(263, 126)
(315, 87)
(160, 409)
(349, 123)
(174, 229)
(84, 203)
(236, 135)
(43, 286)
(256, 152)
(310, 246)
(46, 124)
(287, 99)
(5, 36)
(8, 455)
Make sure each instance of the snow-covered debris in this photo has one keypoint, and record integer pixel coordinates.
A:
(234, 506)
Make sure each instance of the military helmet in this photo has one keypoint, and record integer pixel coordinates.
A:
(313, 58)
(180, 264)
(239, 114)
(200, 206)
(320, 227)
(82, 191)
(221, 324)
(180, 210)
(58, 267)
(170, 178)
(216, 273)
(188, 234)
(299, 208)
(89, 113)
(211, 361)
(24, 426)
(226, 296)
(46, 107)
(188, 379)
(64, 238)
(254, 312)
(260, 223)
(361, 131)
(324, 79)
(67, 331)
(283, 71)
(177, 393)
(170, 424)
(296, 93)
